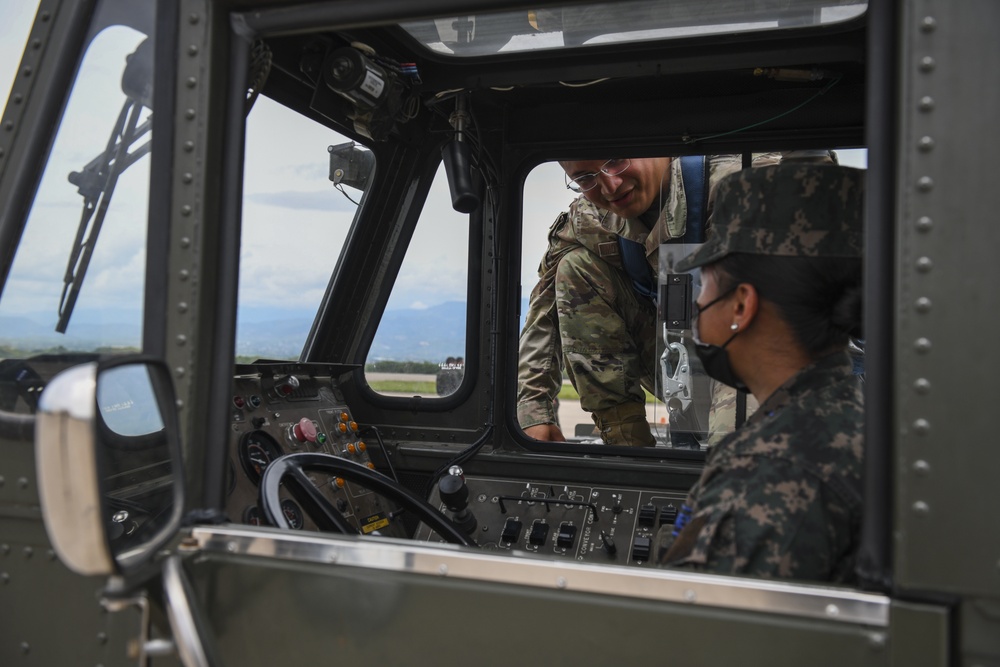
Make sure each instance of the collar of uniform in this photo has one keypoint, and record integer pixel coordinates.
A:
(821, 371)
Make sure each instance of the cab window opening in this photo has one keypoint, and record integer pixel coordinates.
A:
(420, 346)
(301, 194)
(547, 205)
(76, 286)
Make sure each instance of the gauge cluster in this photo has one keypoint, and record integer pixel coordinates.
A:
(280, 409)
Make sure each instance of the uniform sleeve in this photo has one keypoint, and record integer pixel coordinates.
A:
(539, 365)
(764, 518)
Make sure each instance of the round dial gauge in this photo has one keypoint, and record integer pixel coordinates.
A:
(293, 513)
(253, 516)
(256, 451)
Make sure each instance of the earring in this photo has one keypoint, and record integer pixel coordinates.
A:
(734, 326)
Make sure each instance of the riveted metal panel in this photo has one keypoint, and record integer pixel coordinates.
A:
(52, 616)
(358, 616)
(920, 635)
(192, 303)
(948, 304)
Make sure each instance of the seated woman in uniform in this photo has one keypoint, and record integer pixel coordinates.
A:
(781, 296)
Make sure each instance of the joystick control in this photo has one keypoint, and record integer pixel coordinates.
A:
(455, 495)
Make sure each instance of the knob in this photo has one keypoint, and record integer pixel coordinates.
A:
(668, 514)
(285, 385)
(304, 431)
(609, 544)
(539, 532)
(454, 492)
(511, 530)
(641, 547)
(566, 536)
(455, 495)
(647, 515)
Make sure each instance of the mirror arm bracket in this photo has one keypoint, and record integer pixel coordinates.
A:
(142, 648)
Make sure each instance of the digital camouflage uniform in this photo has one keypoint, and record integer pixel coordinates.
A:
(782, 496)
(584, 315)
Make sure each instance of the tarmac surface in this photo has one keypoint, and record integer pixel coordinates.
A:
(570, 412)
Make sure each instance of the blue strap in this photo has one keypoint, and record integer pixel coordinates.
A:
(633, 253)
(693, 171)
(633, 256)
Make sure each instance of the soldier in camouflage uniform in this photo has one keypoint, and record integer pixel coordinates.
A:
(584, 314)
(781, 496)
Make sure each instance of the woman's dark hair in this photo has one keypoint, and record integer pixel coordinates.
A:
(819, 297)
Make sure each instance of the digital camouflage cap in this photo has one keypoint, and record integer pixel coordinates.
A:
(788, 210)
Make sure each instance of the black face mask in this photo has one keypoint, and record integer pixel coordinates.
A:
(714, 358)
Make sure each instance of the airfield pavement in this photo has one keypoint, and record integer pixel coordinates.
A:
(570, 412)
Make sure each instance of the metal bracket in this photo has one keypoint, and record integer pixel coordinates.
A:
(676, 381)
(143, 648)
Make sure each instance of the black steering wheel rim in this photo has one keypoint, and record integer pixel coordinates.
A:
(291, 468)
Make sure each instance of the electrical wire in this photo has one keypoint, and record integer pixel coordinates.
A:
(344, 192)
(584, 84)
(385, 452)
(691, 140)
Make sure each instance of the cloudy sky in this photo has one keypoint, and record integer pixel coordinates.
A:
(117, 268)
(295, 222)
(15, 21)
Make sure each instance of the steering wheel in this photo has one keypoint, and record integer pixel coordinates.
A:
(290, 470)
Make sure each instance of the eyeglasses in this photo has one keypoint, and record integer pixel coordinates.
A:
(585, 182)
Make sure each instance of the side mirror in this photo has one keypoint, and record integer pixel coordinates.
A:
(109, 464)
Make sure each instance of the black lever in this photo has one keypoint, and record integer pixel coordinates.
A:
(455, 495)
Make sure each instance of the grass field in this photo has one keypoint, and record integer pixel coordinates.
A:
(416, 388)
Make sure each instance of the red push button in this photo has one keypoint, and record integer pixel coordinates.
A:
(305, 430)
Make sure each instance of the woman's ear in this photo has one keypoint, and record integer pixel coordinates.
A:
(745, 305)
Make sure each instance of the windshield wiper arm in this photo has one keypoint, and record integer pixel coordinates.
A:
(96, 182)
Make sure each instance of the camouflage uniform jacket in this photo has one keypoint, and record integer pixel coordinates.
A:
(584, 225)
(782, 496)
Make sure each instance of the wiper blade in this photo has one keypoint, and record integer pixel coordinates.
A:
(96, 182)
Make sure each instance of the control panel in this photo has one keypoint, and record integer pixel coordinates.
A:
(286, 409)
(592, 524)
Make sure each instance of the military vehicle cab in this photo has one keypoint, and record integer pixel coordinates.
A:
(263, 270)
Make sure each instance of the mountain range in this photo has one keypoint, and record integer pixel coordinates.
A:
(408, 334)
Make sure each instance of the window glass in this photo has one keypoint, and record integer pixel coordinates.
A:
(628, 21)
(701, 411)
(77, 280)
(419, 348)
(295, 222)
